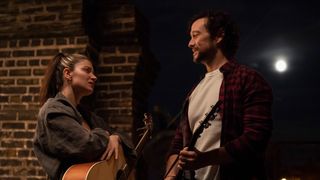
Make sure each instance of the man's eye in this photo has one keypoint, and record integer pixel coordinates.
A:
(194, 35)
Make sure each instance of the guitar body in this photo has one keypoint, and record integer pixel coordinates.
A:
(102, 170)
(113, 169)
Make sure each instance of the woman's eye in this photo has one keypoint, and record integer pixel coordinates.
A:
(88, 70)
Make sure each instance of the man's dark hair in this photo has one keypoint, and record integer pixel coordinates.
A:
(220, 23)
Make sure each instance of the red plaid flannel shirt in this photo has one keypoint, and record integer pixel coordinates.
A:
(246, 122)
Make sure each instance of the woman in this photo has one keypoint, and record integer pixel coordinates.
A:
(66, 134)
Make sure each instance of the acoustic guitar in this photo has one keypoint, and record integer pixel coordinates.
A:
(113, 169)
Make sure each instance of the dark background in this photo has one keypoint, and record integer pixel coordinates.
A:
(268, 29)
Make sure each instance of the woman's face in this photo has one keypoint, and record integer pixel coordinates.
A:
(83, 78)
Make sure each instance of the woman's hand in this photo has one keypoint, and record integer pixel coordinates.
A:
(113, 147)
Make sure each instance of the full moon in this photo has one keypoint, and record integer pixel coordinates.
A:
(280, 65)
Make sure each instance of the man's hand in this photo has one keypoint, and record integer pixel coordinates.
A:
(113, 147)
(191, 160)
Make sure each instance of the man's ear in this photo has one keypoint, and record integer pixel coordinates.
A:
(220, 36)
(67, 74)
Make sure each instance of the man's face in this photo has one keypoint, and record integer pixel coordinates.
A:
(202, 45)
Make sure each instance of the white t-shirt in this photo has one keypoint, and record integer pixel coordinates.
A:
(205, 95)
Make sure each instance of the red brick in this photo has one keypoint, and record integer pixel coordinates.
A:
(4, 99)
(23, 134)
(103, 70)
(13, 43)
(34, 89)
(45, 18)
(24, 43)
(27, 81)
(47, 52)
(48, 42)
(3, 73)
(76, 6)
(38, 72)
(57, 8)
(61, 41)
(120, 86)
(9, 63)
(82, 40)
(13, 125)
(4, 54)
(20, 72)
(103, 79)
(22, 63)
(3, 44)
(114, 60)
(32, 10)
(12, 144)
(22, 53)
(133, 59)
(35, 42)
(23, 153)
(10, 162)
(73, 50)
(125, 69)
(129, 49)
(128, 78)
(34, 62)
(8, 115)
(26, 99)
(13, 90)
(27, 115)
(14, 107)
(45, 62)
(70, 16)
(15, 99)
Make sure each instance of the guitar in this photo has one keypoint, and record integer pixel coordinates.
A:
(117, 169)
(187, 174)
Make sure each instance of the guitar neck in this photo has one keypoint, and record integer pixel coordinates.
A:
(142, 142)
(203, 125)
(139, 147)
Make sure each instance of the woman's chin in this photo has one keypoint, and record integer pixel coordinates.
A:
(88, 92)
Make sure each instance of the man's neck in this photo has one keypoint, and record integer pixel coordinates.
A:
(215, 63)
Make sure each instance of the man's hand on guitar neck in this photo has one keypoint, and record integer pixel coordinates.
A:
(193, 160)
(113, 147)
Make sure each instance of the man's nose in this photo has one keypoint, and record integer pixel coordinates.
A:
(191, 43)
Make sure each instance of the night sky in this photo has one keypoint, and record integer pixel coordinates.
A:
(269, 30)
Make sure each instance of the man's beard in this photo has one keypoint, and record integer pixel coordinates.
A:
(207, 55)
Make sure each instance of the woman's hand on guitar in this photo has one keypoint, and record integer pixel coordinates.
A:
(113, 148)
(191, 160)
(170, 178)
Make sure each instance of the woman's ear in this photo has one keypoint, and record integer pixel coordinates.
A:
(67, 74)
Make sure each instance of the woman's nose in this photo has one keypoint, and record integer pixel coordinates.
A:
(94, 77)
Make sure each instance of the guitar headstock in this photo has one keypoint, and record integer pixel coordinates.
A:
(210, 117)
(148, 124)
(148, 121)
(205, 123)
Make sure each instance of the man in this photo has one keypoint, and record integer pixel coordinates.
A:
(233, 146)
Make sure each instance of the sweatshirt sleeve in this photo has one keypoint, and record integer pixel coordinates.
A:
(66, 138)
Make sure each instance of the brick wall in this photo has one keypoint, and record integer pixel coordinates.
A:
(32, 31)
(22, 67)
